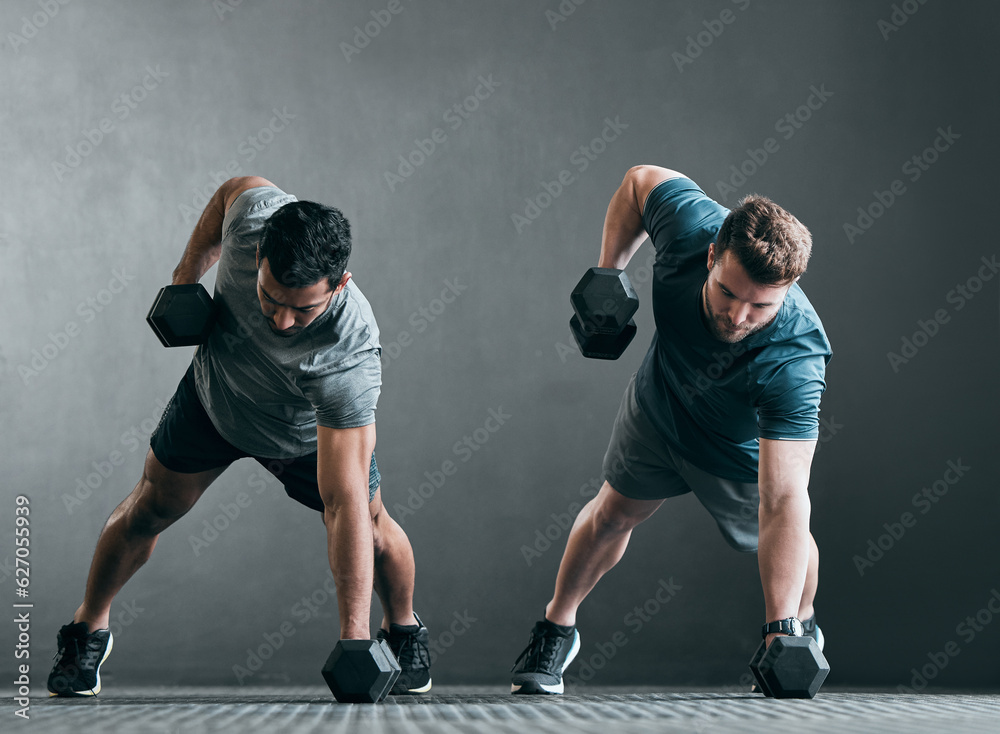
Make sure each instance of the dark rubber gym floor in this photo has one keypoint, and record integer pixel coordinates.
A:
(455, 710)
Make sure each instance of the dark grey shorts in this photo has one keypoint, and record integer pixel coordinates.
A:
(640, 465)
(186, 441)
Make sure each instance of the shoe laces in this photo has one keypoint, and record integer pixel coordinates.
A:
(412, 653)
(540, 652)
(71, 650)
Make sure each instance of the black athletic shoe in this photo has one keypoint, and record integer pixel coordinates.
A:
(409, 645)
(550, 650)
(77, 671)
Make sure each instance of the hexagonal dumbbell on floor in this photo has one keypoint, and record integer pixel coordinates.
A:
(182, 315)
(361, 671)
(604, 303)
(792, 667)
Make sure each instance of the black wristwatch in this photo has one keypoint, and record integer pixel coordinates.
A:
(791, 627)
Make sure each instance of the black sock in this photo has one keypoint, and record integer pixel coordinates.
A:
(561, 628)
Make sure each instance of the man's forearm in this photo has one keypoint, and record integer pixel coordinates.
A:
(783, 554)
(205, 245)
(344, 461)
(351, 550)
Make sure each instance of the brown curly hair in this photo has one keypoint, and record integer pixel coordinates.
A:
(771, 244)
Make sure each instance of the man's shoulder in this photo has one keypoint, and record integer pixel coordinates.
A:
(251, 209)
(800, 333)
(352, 334)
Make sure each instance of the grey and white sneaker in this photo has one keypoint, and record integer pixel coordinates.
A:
(540, 666)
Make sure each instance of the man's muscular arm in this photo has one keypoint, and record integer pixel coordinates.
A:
(205, 246)
(623, 230)
(344, 458)
(783, 546)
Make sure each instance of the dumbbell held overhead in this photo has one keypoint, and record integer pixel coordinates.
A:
(182, 315)
(603, 304)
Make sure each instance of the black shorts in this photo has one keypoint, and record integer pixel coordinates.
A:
(186, 442)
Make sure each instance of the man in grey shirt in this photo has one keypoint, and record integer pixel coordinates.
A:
(289, 376)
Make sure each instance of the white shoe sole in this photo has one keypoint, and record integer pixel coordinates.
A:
(420, 690)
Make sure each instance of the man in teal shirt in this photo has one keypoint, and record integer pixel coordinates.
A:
(725, 404)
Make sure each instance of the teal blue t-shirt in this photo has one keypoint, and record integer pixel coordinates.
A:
(711, 400)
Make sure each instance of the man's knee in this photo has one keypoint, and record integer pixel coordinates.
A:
(610, 518)
(158, 505)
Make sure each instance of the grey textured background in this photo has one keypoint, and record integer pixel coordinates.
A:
(130, 202)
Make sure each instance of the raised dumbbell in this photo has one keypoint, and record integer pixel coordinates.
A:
(361, 671)
(182, 315)
(792, 667)
(603, 304)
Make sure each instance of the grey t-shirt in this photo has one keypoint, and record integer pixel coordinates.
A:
(265, 393)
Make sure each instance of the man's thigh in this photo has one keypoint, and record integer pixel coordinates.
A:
(638, 463)
(169, 494)
(732, 504)
(185, 441)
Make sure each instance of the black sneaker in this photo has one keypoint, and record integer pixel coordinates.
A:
(550, 650)
(409, 645)
(77, 671)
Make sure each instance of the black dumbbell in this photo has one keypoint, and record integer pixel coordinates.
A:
(361, 671)
(604, 303)
(792, 667)
(182, 315)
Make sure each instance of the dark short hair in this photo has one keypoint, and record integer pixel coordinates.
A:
(305, 242)
(771, 245)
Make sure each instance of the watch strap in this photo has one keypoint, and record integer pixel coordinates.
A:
(790, 626)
